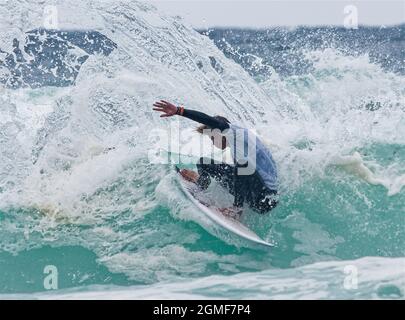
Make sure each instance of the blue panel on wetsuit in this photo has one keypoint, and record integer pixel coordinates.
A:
(265, 164)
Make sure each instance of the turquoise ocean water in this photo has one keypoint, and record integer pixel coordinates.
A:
(79, 192)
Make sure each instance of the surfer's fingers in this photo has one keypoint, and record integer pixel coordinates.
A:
(157, 104)
(157, 107)
(167, 103)
(165, 115)
(159, 110)
(162, 103)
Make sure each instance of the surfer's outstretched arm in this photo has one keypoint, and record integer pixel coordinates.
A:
(170, 110)
(205, 119)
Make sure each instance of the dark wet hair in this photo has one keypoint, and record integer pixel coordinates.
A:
(201, 129)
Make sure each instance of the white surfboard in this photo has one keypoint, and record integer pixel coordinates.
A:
(195, 195)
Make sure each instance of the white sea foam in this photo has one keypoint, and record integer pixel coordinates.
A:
(376, 278)
(75, 159)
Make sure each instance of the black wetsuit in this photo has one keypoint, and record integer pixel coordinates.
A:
(245, 188)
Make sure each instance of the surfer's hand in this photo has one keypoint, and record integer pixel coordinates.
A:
(168, 109)
(190, 175)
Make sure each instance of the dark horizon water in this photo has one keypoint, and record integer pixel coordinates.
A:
(282, 48)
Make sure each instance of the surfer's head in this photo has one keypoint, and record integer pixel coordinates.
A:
(217, 137)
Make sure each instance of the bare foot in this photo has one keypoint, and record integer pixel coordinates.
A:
(190, 175)
(234, 213)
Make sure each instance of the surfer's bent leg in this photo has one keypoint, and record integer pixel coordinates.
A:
(261, 199)
(209, 168)
(266, 202)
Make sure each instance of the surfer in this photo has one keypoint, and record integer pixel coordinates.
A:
(252, 179)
